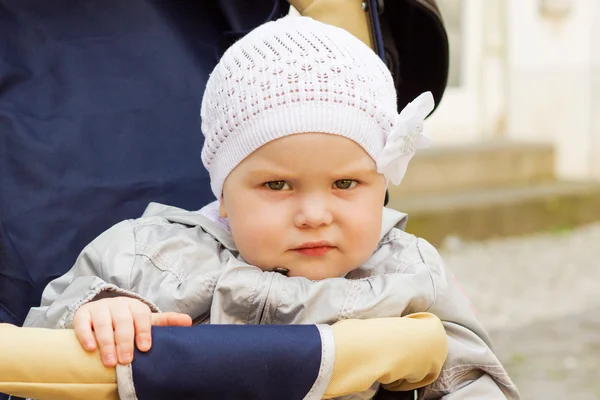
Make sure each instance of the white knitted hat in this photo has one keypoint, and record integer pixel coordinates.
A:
(298, 75)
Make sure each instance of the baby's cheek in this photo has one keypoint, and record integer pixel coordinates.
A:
(256, 242)
(365, 238)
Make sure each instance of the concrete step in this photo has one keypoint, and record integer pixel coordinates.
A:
(479, 165)
(496, 212)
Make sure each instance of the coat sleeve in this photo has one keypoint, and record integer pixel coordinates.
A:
(168, 266)
(472, 370)
(102, 269)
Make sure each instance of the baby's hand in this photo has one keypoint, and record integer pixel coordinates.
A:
(116, 323)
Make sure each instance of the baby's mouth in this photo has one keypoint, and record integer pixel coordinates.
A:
(314, 249)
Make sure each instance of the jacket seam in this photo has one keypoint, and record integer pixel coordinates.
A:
(133, 250)
(497, 372)
(433, 283)
(157, 259)
(161, 263)
(264, 305)
(349, 305)
(150, 221)
(279, 303)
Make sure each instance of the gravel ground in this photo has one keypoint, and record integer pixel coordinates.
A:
(539, 297)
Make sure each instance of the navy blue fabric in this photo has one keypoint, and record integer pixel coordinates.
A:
(99, 115)
(267, 362)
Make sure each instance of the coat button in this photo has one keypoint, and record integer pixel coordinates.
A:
(282, 271)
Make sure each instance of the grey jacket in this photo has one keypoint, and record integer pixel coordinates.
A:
(177, 260)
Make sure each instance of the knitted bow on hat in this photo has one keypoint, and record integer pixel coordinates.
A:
(407, 136)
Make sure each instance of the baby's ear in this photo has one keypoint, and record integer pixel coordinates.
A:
(222, 210)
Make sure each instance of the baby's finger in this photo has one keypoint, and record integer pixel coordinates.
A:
(142, 321)
(171, 319)
(124, 332)
(103, 328)
(83, 329)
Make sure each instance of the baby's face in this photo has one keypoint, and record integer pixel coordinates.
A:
(311, 203)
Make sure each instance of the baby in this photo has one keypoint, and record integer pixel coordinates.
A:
(302, 138)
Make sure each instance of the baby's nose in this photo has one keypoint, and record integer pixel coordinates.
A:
(313, 212)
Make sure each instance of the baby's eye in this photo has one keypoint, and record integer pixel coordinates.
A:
(345, 184)
(278, 185)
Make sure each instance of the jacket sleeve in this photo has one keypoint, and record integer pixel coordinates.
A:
(102, 269)
(472, 370)
(162, 264)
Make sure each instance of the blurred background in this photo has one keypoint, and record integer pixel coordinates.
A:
(510, 189)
